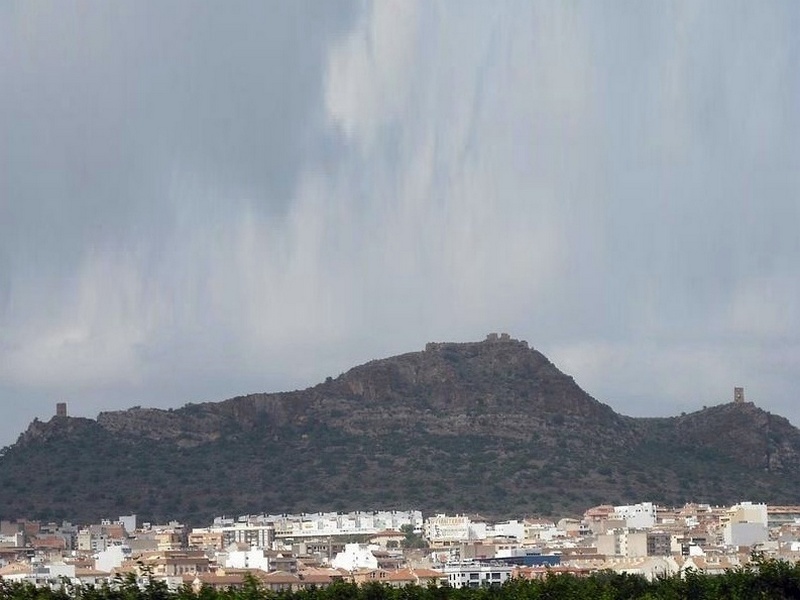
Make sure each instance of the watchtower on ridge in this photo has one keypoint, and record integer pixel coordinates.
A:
(738, 395)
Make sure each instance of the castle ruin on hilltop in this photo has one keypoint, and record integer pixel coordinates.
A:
(491, 338)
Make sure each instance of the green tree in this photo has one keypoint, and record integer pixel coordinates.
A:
(412, 539)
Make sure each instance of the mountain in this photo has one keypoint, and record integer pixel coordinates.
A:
(491, 427)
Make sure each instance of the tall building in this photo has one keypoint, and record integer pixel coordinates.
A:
(61, 409)
(738, 395)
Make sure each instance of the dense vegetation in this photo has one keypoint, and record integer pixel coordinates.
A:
(493, 428)
(764, 579)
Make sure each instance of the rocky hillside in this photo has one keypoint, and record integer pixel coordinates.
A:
(492, 427)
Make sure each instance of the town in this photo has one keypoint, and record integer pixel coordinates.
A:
(289, 552)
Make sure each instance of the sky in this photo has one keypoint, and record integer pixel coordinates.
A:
(203, 200)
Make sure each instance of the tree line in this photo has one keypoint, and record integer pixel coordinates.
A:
(762, 579)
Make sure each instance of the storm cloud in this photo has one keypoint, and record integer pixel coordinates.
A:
(199, 201)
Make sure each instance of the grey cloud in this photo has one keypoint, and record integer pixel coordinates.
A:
(107, 104)
(203, 201)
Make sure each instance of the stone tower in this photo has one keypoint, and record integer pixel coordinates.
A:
(61, 409)
(738, 395)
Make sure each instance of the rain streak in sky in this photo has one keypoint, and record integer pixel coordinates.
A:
(201, 200)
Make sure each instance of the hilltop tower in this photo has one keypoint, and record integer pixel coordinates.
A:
(61, 409)
(738, 395)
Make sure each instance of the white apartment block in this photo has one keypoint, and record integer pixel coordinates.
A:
(255, 535)
(508, 529)
(475, 574)
(745, 524)
(746, 512)
(444, 530)
(636, 516)
(329, 524)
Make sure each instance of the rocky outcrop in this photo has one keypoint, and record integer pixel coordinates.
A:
(186, 427)
(39, 432)
(490, 426)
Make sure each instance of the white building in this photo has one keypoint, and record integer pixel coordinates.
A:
(747, 512)
(355, 556)
(745, 524)
(636, 516)
(128, 522)
(476, 574)
(541, 531)
(745, 534)
(444, 530)
(508, 529)
(622, 543)
(111, 558)
(252, 533)
(247, 559)
(13, 540)
(330, 524)
(60, 570)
